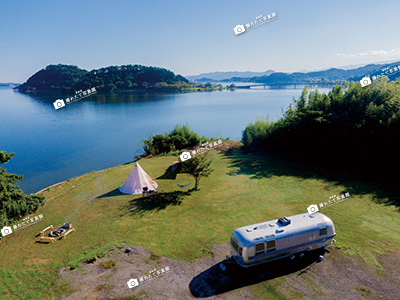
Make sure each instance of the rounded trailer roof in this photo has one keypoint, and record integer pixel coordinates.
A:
(270, 230)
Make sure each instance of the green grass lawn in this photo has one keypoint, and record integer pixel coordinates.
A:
(243, 189)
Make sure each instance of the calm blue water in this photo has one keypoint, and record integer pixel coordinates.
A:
(102, 131)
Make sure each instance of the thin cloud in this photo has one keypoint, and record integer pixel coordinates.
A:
(371, 53)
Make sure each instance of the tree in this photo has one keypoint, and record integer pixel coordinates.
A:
(198, 166)
(110, 87)
(14, 204)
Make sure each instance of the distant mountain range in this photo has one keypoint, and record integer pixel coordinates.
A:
(333, 75)
(217, 76)
(8, 84)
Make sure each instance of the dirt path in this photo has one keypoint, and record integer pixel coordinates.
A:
(336, 277)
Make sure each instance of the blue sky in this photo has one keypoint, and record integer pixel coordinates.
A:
(192, 37)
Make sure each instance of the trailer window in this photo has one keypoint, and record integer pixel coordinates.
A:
(234, 245)
(260, 248)
(270, 244)
(323, 231)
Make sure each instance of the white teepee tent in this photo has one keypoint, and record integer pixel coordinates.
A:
(137, 180)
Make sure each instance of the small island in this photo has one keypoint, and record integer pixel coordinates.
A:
(68, 78)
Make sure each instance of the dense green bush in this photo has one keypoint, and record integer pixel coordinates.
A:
(352, 126)
(179, 138)
(253, 135)
(14, 204)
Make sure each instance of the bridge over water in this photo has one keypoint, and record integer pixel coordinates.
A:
(281, 85)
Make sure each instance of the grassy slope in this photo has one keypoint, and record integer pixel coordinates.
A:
(244, 189)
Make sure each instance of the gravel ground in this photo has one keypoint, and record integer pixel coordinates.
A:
(337, 277)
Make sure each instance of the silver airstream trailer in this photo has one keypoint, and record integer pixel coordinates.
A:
(286, 236)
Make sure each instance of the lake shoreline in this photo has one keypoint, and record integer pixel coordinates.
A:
(105, 130)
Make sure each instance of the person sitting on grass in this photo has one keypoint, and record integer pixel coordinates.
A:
(66, 225)
(57, 232)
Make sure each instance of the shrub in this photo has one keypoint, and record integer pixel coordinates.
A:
(254, 134)
(180, 137)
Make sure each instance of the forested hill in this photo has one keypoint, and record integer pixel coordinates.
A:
(71, 78)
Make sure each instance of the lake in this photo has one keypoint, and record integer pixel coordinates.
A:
(103, 131)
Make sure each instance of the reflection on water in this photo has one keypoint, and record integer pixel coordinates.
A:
(102, 131)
